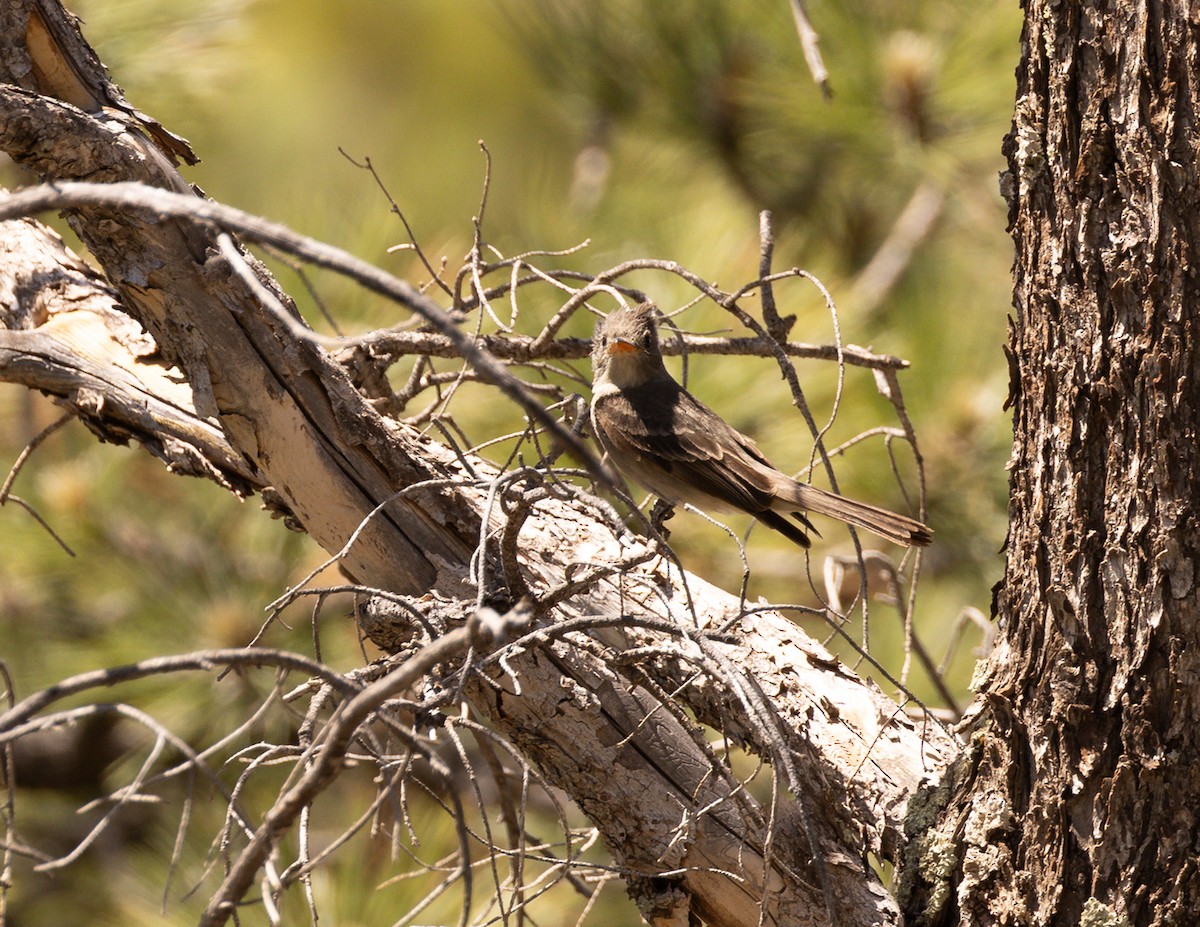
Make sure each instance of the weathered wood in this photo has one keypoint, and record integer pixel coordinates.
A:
(289, 412)
(865, 750)
(63, 332)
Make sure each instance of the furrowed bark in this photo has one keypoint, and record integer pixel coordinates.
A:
(1077, 802)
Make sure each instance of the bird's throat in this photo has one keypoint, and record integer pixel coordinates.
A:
(627, 371)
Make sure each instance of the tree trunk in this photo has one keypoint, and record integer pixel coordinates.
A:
(1079, 798)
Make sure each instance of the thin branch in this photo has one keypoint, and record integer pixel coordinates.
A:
(521, 349)
(366, 165)
(809, 41)
(887, 266)
(127, 195)
(203, 660)
(5, 489)
(326, 763)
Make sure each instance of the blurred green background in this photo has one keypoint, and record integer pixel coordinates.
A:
(650, 130)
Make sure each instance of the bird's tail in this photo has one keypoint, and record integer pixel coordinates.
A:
(898, 528)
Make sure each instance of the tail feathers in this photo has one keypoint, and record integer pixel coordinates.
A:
(898, 528)
(786, 528)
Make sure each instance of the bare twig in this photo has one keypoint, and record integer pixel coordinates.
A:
(809, 41)
(366, 165)
(969, 616)
(127, 195)
(201, 660)
(520, 348)
(327, 759)
(5, 489)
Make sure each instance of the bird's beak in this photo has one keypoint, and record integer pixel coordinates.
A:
(622, 346)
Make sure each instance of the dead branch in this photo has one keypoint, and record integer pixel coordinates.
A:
(327, 760)
(454, 536)
(66, 335)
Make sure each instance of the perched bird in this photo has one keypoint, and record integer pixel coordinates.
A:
(664, 438)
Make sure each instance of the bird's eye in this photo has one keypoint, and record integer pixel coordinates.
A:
(603, 340)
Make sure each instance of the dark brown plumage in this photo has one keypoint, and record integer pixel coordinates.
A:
(664, 438)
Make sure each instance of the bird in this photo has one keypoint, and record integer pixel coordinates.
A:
(665, 439)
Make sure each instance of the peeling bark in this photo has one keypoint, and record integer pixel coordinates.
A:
(63, 332)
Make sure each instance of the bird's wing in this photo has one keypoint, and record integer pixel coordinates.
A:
(680, 436)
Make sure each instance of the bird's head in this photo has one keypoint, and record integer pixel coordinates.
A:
(625, 349)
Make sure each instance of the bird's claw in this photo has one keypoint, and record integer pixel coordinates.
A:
(662, 512)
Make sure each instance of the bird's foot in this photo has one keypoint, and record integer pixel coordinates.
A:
(662, 512)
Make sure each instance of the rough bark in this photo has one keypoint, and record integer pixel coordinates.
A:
(295, 423)
(1078, 800)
